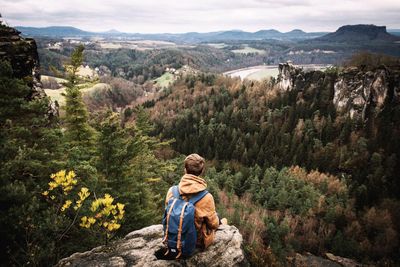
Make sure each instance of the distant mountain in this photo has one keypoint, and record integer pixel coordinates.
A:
(234, 35)
(268, 32)
(394, 31)
(265, 34)
(190, 37)
(300, 34)
(348, 33)
(53, 31)
(296, 31)
(359, 33)
(113, 32)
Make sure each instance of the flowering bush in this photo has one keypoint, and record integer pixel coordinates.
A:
(100, 214)
(62, 180)
(106, 215)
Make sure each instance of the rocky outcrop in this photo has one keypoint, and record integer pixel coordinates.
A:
(343, 261)
(360, 93)
(139, 249)
(330, 260)
(23, 57)
(22, 54)
(300, 260)
(354, 91)
(287, 76)
(292, 77)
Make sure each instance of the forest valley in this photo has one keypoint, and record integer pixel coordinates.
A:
(285, 166)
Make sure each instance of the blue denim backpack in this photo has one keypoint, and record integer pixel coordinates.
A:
(180, 233)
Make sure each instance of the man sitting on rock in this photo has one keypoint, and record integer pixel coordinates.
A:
(191, 185)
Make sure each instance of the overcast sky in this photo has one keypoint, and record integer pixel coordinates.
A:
(200, 15)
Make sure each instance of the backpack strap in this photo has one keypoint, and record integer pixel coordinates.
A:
(175, 191)
(179, 244)
(168, 215)
(194, 199)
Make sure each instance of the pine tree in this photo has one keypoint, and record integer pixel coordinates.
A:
(142, 121)
(78, 131)
(130, 169)
(30, 151)
(79, 135)
(113, 156)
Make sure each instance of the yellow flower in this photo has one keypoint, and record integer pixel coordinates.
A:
(78, 205)
(119, 217)
(84, 193)
(105, 214)
(84, 222)
(91, 220)
(52, 185)
(66, 205)
(113, 226)
(95, 205)
(70, 175)
(108, 199)
(45, 193)
(120, 206)
(63, 180)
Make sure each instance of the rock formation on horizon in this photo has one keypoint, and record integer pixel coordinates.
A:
(359, 33)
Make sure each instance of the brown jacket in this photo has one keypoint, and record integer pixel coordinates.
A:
(206, 219)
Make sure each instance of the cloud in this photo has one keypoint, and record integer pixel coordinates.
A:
(205, 15)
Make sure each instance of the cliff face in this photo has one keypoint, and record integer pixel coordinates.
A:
(354, 91)
(139, 248)
(360, 93)
(23, 57)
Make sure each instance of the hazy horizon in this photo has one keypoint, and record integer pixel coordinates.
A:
(176, 16)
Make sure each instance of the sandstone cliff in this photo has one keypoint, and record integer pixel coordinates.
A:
(354, 91)
(23, 57)
(139, 247)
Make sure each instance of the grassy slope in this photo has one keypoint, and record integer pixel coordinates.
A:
(56, 94)
(165, 80)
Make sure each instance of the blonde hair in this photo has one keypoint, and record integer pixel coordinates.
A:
(194, 164)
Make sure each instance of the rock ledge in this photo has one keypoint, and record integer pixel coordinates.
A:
(138, 249)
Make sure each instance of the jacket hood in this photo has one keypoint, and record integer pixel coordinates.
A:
(191, 184)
